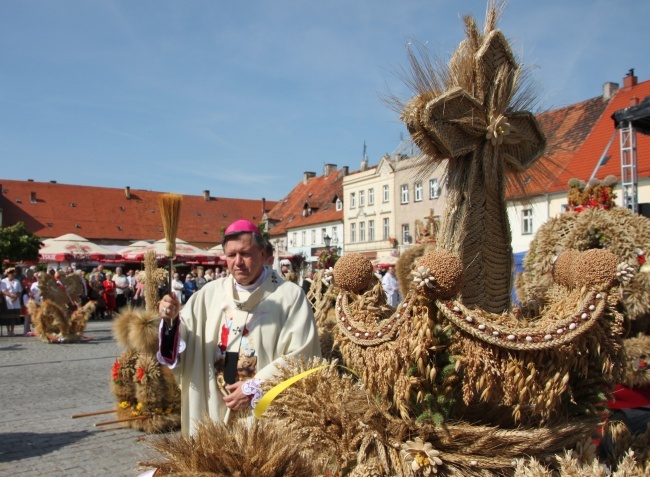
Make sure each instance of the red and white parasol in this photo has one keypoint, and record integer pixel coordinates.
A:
(72, 247)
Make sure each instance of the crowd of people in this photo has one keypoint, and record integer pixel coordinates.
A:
(110, 290)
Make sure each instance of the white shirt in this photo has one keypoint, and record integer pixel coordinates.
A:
(14, 287)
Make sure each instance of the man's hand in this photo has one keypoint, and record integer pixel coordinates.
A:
(168, 308)
(237, 400)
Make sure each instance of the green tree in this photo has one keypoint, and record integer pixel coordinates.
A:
(17, 244)
(265, 234)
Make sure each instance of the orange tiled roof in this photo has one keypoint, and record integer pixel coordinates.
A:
(586, 159)
(577, 136)
(105, 215)
(319, 193)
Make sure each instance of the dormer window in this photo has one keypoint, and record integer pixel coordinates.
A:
(339, 204)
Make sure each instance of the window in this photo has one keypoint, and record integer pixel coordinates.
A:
(371, 229)
(418, 192)
(362, 231)
(353, 232)
(323, 233)
(335, 239)
(304, 238)
(405, 194)
(339, 204)
(434, 190)
(371, 196)
(527, 222)
(386, 229)
(362, 198)
(353, 200)
(386, 194)
(313, 236)
(295, 239)
(406, 238)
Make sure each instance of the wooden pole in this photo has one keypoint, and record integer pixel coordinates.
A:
(114, 428)
(125, 419)
(97, 413)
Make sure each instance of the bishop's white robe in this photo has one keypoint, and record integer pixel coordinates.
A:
(280, 323)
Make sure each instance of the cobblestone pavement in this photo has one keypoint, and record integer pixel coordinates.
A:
(41, 386)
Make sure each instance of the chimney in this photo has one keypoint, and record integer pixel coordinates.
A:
(329, 168)
(307, 175)
(263, 205)
(127, 192)
(206, 195)
(343, 172)
(52, 182)
(630, 80)
(609, 90)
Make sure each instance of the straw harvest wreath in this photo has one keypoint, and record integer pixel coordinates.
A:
(451, 382)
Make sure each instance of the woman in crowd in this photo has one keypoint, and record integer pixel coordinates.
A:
(11, 290)
(109, 294)
(178, 288)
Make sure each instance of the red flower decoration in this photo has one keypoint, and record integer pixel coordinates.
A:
(116, 371)
(640, 259)
(140, 374)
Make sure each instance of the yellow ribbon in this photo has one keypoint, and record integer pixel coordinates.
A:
(275, 391)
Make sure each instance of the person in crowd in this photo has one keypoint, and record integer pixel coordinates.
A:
(209, 275)
(109, 295)
(34, 290)
(97, 294)
(11, 290)
(83, 296)
(130, 276)
(391, 287)
(178, 288)
(233, 332)
(100, 270)
(121, 288)
(27, 283)
(269, 251)
(190, 286)
(284, 270)
(200, 278)
(138, 295)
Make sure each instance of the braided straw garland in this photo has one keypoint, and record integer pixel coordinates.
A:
(478, 324)
(369, 335)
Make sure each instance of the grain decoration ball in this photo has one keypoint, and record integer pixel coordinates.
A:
(446, 270)
(353, 272)
(595, 268)
(563, 268)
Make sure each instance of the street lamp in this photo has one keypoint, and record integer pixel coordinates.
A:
(328, 240)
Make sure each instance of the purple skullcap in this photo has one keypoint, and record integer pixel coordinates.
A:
(242, 226)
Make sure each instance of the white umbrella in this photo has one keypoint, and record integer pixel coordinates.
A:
(184, 252)
(72, 247)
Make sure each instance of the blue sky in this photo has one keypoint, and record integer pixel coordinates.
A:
(241, 97)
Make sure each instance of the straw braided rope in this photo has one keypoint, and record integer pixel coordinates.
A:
(481, 325)
(363, 334)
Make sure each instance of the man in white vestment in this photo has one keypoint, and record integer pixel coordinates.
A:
(391, 287)
(234, 331)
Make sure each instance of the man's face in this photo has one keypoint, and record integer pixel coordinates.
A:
(391, 270)
(244, 259)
